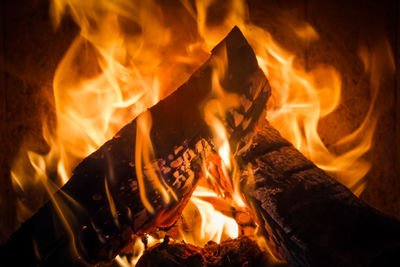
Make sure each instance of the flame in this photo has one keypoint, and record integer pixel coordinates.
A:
(137, 249)
(214, 111)
(147, 171)
(128, 56)
(300, 98)
(204, 223)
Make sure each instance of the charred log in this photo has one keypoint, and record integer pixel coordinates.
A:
(307, 216)
(96, 213)
(241, 251)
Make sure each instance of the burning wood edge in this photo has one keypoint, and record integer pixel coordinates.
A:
(101, 207)
(308, 217)
(241, 251)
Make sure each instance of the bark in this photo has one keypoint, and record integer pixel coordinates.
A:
(308, 217)
(101, 207)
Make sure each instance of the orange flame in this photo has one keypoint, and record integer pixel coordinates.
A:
(126, 58)
(300, 99)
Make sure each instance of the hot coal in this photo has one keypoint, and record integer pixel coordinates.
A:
(241, 251)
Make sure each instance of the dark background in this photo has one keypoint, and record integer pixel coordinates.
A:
(30, 49)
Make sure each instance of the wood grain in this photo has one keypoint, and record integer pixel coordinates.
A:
(308, 217)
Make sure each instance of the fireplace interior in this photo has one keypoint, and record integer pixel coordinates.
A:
(309, 176)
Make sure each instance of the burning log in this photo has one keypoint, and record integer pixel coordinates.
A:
(114, 194)
(241, 251)
(308, 217)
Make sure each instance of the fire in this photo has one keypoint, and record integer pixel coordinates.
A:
(128, 56)
(145, 167)
(204, 222)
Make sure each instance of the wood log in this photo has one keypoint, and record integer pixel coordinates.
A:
(98, 210)
(308, 217)
(241, 251)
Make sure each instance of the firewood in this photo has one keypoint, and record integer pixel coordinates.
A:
(241, 251)
(101, 203)
(308, 217)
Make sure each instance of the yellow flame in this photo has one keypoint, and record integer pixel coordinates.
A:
(58, 201)
(214, 111)
(204, 223)
(147, 171)
(111, 202)
(137, 249)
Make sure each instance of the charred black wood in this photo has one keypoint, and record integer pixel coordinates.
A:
(308, 217)
(101, 204)
(241, 251)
